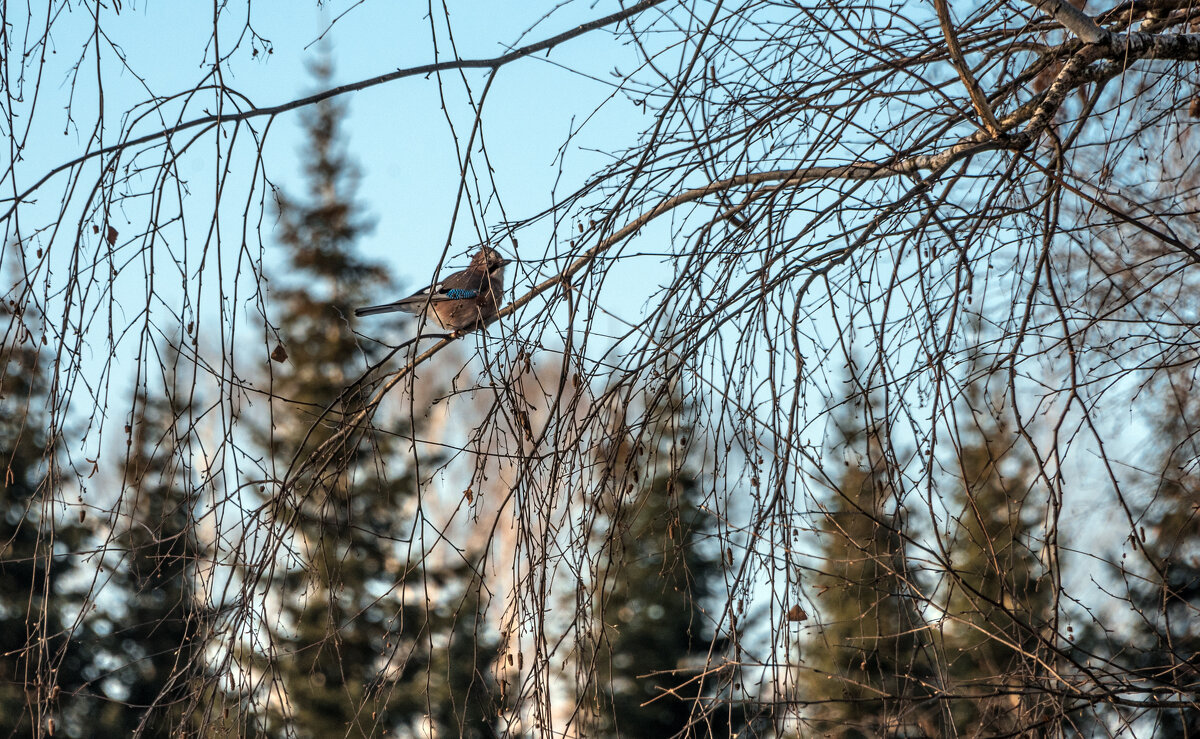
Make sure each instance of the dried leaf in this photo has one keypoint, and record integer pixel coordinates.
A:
(524, 424)
(112, 236)
(796, 613)
(279, 354)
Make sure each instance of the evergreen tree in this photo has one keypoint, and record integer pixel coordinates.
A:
(1162, 646)
(446, 663)
(872, 668)
(662, 569)
(361, 649)
(156, 638)
(1001, 596)
(40, 669)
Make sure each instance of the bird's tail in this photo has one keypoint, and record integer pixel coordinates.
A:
(406, 306)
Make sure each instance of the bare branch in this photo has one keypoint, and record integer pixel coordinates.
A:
(982, 108)
(1074, 20)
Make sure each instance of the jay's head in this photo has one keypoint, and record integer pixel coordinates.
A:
(489, 259)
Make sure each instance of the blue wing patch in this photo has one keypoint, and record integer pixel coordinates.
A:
(459, 293)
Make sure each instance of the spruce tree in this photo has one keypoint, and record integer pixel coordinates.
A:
(871, 671)
(655, 591)
(41, 675)
(360, 649)
(1162, 646)
(153, 647)
(1001, 596)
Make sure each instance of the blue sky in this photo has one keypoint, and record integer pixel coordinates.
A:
(398, 134)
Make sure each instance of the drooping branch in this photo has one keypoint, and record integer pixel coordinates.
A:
(1035, 115)
(491, 63)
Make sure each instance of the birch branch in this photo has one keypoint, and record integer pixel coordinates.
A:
(978, 100)
(1074, 20)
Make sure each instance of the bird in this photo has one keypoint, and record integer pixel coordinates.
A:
(464, 301)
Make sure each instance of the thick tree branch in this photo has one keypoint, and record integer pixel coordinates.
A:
(978, 99)
(1073, 19)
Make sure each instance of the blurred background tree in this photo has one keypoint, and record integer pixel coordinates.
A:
(1000, 608)
(873, 668)
(42, 675)
(148, 653)
(660, 580)
(370, 638)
